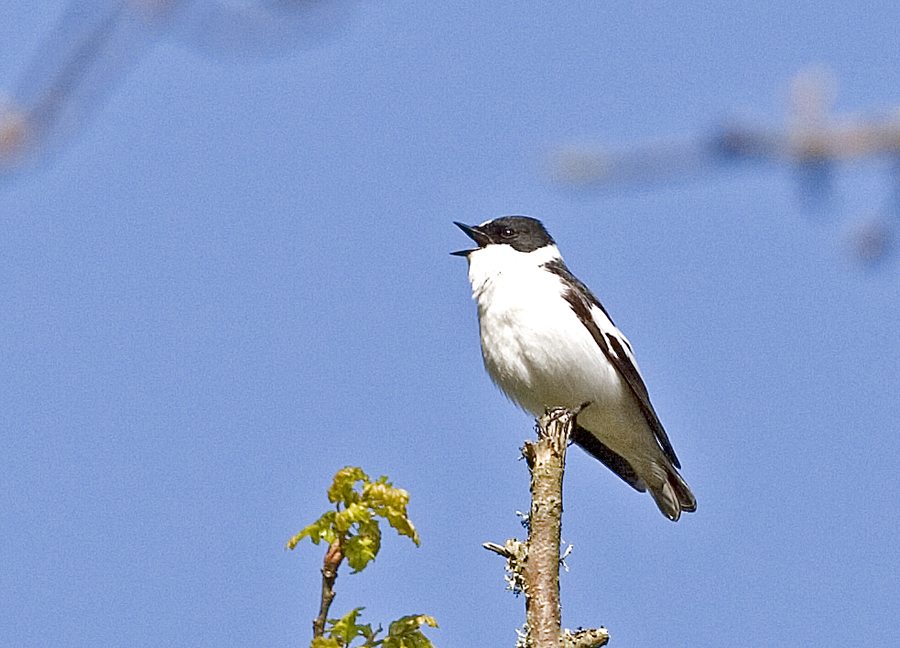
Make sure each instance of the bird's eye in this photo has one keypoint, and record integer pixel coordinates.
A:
(507, 233)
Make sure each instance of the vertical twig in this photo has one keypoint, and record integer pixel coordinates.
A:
(547, 461)
(333, 558)
(534, 566)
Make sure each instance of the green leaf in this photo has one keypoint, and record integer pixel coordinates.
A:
(321, 529)
(341, 489)
(362, 549)
(342, 632)
(346, 629)
(353, 514)
(401, 523)
(390, 503)
(406, 633)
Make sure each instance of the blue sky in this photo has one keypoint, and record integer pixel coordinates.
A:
(233, 278)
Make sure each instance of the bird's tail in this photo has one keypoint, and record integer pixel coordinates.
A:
(673, 495)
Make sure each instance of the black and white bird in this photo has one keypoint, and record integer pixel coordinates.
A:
(548, 342)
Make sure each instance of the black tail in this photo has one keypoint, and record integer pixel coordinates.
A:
(673, 495)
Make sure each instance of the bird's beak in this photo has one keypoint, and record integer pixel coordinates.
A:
(476, 235)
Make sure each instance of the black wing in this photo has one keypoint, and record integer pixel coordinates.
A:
(615, 462)
(619, 353)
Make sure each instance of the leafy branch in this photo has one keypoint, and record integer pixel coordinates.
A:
(402, 633)
(352, 531)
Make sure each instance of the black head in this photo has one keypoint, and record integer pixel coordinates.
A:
(522, 233)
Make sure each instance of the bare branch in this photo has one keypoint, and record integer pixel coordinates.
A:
(546, 459)
(333, 558)
(534, 566)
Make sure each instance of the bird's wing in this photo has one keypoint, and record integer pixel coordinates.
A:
(616, 348)
(612, 460)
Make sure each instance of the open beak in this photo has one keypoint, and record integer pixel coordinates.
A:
(476, 235)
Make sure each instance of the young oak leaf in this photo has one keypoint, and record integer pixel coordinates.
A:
(321, 529)
(362, 548)
(345, 629)
(323, 642)
(341, 489)
(390, 503)
(354, 514)
(406, 633)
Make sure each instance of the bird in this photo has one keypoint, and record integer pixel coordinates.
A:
(547, 342)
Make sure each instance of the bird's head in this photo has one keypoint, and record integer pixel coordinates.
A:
(522, 233)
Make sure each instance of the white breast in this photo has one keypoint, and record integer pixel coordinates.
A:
(534, 346)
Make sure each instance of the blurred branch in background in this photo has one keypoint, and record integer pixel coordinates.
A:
(812, 143)
(97, 42)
